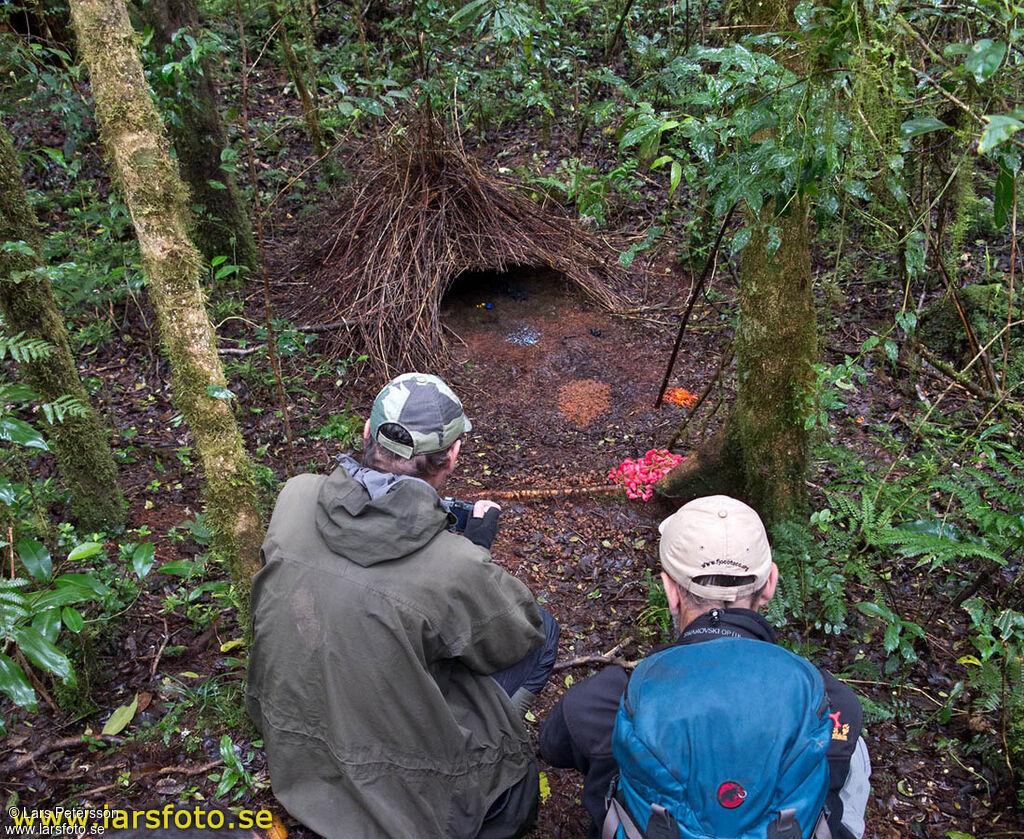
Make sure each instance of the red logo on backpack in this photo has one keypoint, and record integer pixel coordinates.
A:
(731, 794)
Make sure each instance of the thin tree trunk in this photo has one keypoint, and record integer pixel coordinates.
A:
(81, 444)
(222, 227)
(313, 130)
(155, 196)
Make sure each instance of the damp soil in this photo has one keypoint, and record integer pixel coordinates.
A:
(560, 392)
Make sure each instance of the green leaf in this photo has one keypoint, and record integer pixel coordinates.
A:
(122, 715)
(219, 392)
(675, 177)
(43, 654)
(181, 568)
(73, 619)
(59, 597)
(998, 130)
(35, 558)
(741, 239)
(875, 611)
(470, 11)
(925, 125)
(143, 558)
(15, 685)
(626, 258)
(86, 583)
(985, 58)
(1002, 199)
(16, 431)
(7, 495)
(85, 550)
(892, 637)
(16, 392)
(48, 624)
(20, 247)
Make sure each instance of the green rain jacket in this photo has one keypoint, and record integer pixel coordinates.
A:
(374, 629)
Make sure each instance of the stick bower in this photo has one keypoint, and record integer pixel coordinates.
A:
(415, 218)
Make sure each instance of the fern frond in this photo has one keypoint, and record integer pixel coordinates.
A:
(62, 408)
(23, 349)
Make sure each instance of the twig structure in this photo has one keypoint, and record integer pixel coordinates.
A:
(416, 217)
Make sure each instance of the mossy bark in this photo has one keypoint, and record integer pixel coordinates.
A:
(81, 444)
(776, 347)
(762, 454)
(222, 225)
(155, 197)
(716, 468)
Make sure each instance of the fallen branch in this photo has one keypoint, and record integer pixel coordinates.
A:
(167, 770)
(557, 492)
(54, 746)
(609, 657)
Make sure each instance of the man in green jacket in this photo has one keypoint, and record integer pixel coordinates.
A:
(391, 658)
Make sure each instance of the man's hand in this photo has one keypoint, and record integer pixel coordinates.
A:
(482, 506)
(483, 524)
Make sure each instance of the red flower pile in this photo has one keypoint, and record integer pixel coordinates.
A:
(639, 476)
(681, 396)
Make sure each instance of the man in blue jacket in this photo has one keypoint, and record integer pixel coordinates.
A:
(718, 574)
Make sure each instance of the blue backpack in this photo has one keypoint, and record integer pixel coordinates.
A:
(725, 738)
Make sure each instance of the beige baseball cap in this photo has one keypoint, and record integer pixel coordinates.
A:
(715, 535)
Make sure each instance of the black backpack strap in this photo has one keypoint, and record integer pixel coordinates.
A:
(616, 816)
(660, 825)
(787, 826)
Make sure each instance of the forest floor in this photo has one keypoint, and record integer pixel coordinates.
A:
(560, 392)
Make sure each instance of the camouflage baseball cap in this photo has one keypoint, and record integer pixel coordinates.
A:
(425, 407)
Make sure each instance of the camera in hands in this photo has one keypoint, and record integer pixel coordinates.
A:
(459, 511)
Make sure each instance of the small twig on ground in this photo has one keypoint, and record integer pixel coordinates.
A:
(609, 657)
(159, 652)
(54, 746)
(167, 770)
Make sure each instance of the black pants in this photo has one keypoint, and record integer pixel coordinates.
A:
(515, 812)
(533, 671)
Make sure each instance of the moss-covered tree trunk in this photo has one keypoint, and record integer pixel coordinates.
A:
(776, 346)
(776, 342)
(155, 196)
(81, 444)
(765, 445)
(222, 223)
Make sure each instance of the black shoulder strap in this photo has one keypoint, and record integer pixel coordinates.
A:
(787, 826)
(660, 825)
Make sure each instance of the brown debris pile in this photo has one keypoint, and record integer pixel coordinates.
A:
(415, 218)
(582, 401)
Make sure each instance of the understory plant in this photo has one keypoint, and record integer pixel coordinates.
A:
(931, 537)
